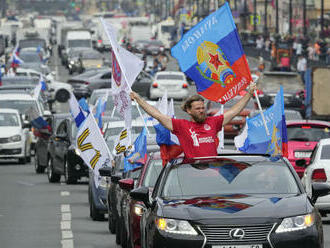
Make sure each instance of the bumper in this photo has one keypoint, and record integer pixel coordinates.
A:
(178, 95)
(79, 93)
(12, 150)
(165, 240)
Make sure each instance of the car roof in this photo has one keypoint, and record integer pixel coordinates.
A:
(310, 122)
(16, 96)
(324, 141)
(170, 73)
(8, 110)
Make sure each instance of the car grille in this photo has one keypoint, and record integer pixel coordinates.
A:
(4, 140)
(216, 235)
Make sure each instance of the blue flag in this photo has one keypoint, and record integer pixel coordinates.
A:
(139, 154)
(254, 139)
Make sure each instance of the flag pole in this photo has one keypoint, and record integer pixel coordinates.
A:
(121, 67)
(259, 106)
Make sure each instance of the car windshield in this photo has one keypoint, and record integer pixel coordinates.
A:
(21, 105)
(152, 172)
(19, 81)
(325, 153)
(169, 77)
(191, 180)
(32, 43)
(30, 57)
(79, 43)
(8, 120)
(307, 132)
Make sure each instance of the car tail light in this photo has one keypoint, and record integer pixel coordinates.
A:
(185, 86)
(319, 175)
(87, 83)
(306, 127)
(155, 85)
(99, 41)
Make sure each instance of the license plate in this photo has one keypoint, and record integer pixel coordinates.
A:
(302, 154)
(236, 246)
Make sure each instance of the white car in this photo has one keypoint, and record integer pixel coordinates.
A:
(318, 171)
(174, 82)
(23, 102)
(15, 139)
(58, 90)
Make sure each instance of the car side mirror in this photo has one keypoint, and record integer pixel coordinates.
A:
(116, 177)
(141, 194)
(319, 190)
(126, 184)
(301, 163)
(105, 171)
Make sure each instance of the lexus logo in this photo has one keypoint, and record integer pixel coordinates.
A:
(236, 233)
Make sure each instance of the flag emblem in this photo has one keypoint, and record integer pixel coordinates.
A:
(213, 64)
(116, 72)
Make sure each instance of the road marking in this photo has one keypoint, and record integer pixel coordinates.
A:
(65, 193)
(65, 225)
(67, 235)
(65, 208)
(66, 216)
(67, 243)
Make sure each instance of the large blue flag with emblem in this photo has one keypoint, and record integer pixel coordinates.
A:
(254, 139)
(211, 54)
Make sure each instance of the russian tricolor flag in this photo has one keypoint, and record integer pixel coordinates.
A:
(15, 60)
(36, 120)
(76, 111)
(211, 54)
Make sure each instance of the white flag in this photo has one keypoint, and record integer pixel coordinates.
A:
(93, 149)
(125, 68)
(37, 91)
(162, 106)
(123, 142)
(171, 113)
(76, 111)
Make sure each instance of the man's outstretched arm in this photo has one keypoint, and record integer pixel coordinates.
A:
(239, 106)
(165, 120)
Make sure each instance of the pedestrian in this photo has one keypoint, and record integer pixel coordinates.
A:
(301, 67)
(197, 136)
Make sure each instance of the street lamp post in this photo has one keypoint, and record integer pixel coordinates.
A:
(266, 15)
(304, 18)
(276, 14)
(255, 15)
(322, 18)
(290, 16)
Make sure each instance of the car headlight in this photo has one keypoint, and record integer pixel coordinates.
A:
(72, 62)
(77, 151)
(138, 210)
(175, 226)
(103, 182)
(296, 223)
(15, 138)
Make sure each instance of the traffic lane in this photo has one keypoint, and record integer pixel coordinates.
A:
(29, 208)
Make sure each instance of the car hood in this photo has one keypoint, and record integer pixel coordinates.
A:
(301, 145)
(235, 206)
(6, 132)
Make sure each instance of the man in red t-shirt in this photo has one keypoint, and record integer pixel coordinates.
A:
(197, 136)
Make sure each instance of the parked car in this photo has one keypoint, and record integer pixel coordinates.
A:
(237, 123)
(291, 101)
(41, 154)
(64, 157)
(174, 82)
(132, 210)
(234, 200)
(318, 171)
(303, 136)
(85, 83)
(15, 139)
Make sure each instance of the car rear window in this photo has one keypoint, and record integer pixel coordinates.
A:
(222, 178)
(307, 132)
(170, 77)
(325, 153)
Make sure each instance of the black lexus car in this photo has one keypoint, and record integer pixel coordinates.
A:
(230, 201)
(64, 158)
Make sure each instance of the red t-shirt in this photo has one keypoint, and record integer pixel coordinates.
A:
(198, 140)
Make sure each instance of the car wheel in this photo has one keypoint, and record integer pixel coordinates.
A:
(69, 179)
(123, 234)
(118, 232)
(94, 213)
(111, 223)
(22, 160)
(62, 95)
(52, 176)
(28, 157)
(38, 168)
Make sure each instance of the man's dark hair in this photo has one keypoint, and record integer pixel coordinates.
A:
(187, 103)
